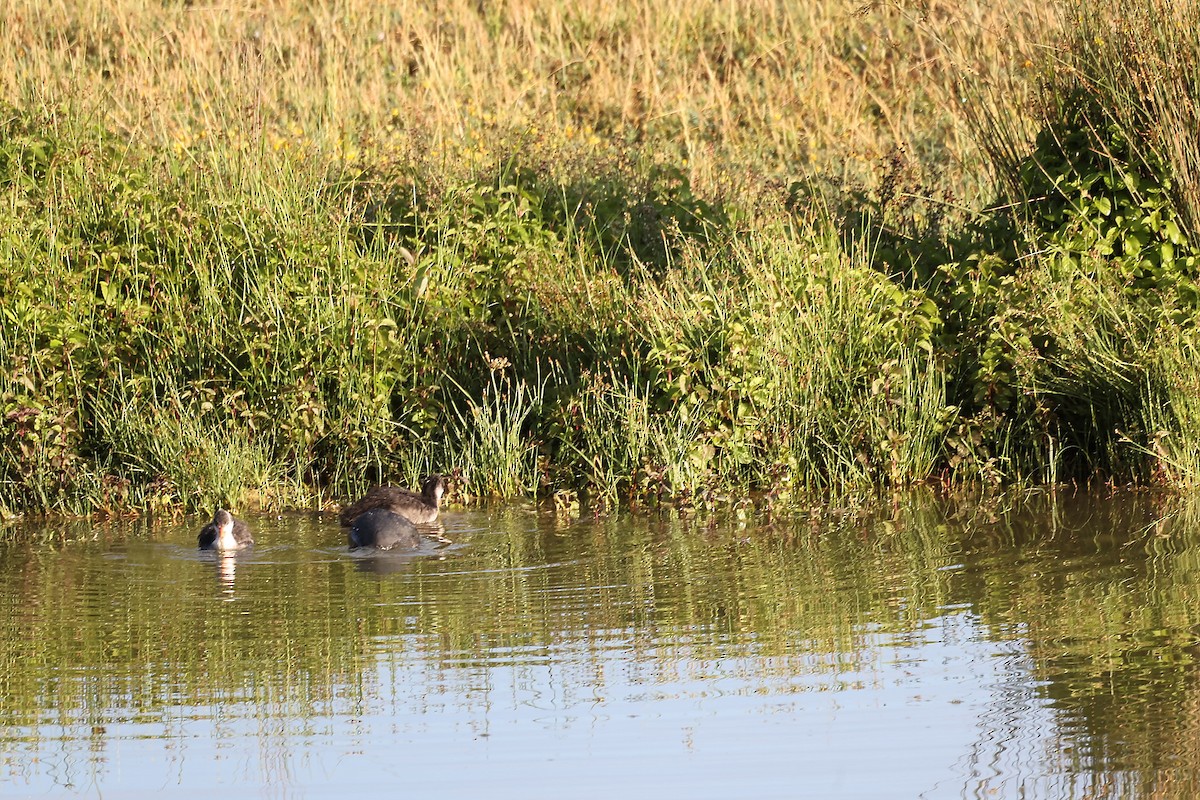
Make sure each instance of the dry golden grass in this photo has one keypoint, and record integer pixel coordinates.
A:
(760, 88)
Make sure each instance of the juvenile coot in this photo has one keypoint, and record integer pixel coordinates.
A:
(224, 533)
(383, 529)
(420, 509)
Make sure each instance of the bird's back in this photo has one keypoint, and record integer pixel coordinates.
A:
(411, 506)
(383, 529)
(241, 532)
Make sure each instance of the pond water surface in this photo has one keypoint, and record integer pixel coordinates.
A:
(922, 650)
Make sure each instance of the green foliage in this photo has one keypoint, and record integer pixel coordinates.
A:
(1171, 408)
(1105, 198)
(275, 327)
(1053, 303)
(491, 448)
(184, 336)
(26, 152)
(603, 432)
(1094, 207)
(791, 370)
(175, 456)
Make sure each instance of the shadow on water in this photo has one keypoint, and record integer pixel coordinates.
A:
(1041, 647)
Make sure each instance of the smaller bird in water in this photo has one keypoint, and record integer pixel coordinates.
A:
(225, 532)
(383, 530)
(419, 509)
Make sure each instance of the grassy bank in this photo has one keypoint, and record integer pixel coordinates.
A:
(676, 251)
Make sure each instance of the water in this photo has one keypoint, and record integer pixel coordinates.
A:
(925, 649)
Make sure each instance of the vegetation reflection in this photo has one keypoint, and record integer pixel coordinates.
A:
(131, 627)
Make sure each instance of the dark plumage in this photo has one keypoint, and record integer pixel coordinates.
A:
(225, 532)
(420, 509)
(384, 530)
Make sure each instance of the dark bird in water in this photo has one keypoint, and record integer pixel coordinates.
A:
(420, 509)
(225, 532)
(383, 529)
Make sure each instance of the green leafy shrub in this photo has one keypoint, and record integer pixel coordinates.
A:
(1094, 207)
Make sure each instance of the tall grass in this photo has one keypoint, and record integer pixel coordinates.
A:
(1101, 175)
(1139, 64)
(1172, 409)
(786, 89)
(705, 249)
(170, 458)
(491, 448)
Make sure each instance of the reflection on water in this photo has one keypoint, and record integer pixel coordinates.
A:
(226, 564)
(924, 650)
